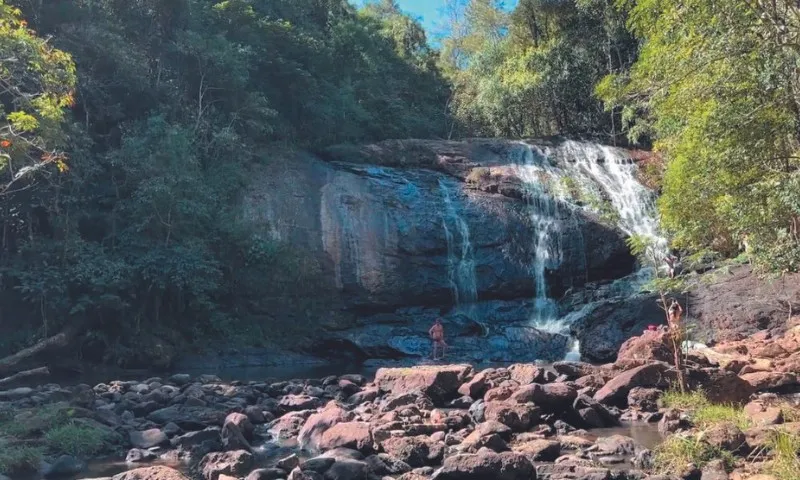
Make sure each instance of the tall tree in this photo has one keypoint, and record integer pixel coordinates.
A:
(716, 84)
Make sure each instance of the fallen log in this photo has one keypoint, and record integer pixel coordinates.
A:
(59, 340)
(25, 374)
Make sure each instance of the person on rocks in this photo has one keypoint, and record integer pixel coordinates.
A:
(671, 260)
(674, 315)
(437, 337)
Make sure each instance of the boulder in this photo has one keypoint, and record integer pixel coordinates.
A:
(650, 346)
(551, 397)
(293, 402)
(64, 466)
(540, 450)
(416, 451)
(237, 464)
(315, 426)
(481, 382)
(526, 373)
(616, 445)
(354, 435)
(188, 418)
(714, 470)
(725, 436)
(761, 381)
(137, 455)
(487, 466)
(347, 469)
(317, 464)
(265, 474)
(385, 464)
(148, 438)
(720, 386)
(615, 392)
(151, 473)
(574, 370)
(242, 422)
(517, 417)
(440, 383)
(761, 414)
(644, 399)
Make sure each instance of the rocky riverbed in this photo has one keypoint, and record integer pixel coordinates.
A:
(427, 422)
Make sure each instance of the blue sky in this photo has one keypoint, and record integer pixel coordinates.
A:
(429, 12)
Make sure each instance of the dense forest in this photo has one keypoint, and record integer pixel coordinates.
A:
(127, 128)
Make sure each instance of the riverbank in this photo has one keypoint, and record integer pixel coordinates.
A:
(566, 421)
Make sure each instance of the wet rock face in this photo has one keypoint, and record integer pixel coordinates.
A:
(382, 234)
(381, 229)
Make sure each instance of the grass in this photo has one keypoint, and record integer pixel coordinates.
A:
(54, 429)
(77, 440)
(702, 411)
(19, 459)
(677, 451)
(694, 400)
(785, 464)
(30, 423)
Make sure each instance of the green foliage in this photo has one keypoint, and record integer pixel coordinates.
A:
(704, 413)
(716, 86)
(677, 451)
(532, 72)
(785, 464)
(690, 400)
(34, 422)
(77, 440)
(174, 103)
(19, 459)
(37, 85)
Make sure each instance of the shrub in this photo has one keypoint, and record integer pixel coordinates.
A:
(77, 440)
(16, 459)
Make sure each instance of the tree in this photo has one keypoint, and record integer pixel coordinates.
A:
(175, 102)
(716, 86)
(532, 72)
(36, 86)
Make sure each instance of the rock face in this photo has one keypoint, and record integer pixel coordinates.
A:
(389, 222)
(732, 305)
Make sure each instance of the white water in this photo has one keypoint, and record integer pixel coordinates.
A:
(545, 212)
(605, 174)
(460, 253)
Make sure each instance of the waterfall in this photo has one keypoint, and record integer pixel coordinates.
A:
(535, 171)
(587, 176)
(460, 253)
(615, 172)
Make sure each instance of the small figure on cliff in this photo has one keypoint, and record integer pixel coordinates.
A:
(437, 336)
(674, 315)
(670, 260)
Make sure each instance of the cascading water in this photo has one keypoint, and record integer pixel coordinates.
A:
(614, 171)
(606, 174)
(534, 170)
(460, 253)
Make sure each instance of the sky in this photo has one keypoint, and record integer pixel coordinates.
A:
(429, 12)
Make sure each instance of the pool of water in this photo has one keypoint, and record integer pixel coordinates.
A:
(645, 434)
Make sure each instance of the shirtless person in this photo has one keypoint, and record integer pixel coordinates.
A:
(437, 336)
(674, 315)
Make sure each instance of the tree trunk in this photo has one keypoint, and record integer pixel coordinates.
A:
(25, 374)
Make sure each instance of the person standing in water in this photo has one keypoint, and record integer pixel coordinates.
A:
(437, 337)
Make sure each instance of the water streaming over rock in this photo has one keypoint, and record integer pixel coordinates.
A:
(460, 252)
(561, 180)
